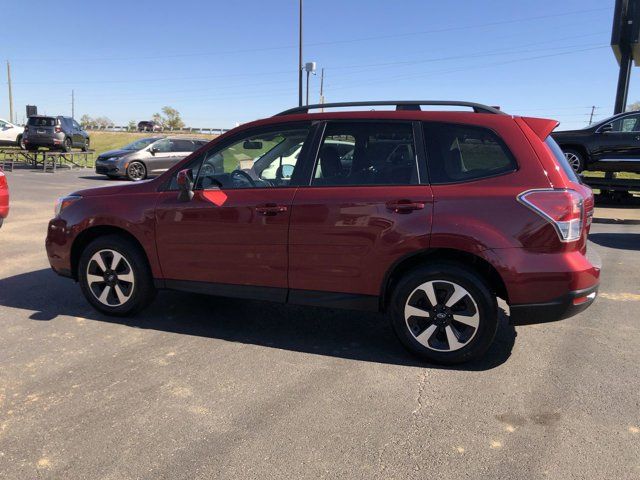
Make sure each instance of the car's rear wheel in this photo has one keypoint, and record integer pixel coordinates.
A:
(444, 313)
(85, 147)
(67, 145)
(136, 171)
(115, 277)
(575, 159)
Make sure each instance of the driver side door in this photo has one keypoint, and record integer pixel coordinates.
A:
(231, 237)
(619, 148)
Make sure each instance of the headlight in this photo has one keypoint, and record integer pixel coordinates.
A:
(112, 159)
(64, 202)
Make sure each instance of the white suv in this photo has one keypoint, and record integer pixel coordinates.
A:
(11, 134)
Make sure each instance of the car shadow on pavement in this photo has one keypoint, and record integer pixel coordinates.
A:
(338, 333)
(623, 241)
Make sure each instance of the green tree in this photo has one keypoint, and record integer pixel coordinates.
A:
(634, 107)
(157, 118)
(103, 121)
(172, 118)
(86, 120)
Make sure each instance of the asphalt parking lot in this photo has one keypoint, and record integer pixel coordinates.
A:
(202, 387)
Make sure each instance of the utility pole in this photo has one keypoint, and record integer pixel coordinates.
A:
(322, 87)
(300, 57)
(73, 106)
(10, 93)
(593, 109)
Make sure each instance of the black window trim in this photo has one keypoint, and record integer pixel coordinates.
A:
(426, 123)
(419, 158)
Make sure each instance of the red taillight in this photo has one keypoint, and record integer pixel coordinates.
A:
(562, 208)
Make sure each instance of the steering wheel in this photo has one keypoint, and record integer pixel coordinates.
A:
(244, 175)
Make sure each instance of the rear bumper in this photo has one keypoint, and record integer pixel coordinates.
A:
(563, 307)
(43, 142)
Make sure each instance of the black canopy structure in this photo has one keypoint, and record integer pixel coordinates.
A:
(625, 36)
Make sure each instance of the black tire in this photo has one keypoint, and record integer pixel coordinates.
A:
(85, 147)
(575, 159)
(477, 340)
(142, 289)
(21, 143)
(136, 171)
(67, 144)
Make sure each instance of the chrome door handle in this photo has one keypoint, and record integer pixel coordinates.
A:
(270, 209)
(404, 206)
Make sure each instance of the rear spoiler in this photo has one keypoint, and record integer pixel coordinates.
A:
(542, 127)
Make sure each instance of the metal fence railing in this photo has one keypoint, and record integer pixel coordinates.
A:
(119, 128)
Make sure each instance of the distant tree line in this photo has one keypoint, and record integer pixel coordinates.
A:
(168, 119)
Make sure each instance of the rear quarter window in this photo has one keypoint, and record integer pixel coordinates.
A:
(461, 153)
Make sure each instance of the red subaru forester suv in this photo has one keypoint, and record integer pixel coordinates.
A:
(429, 216)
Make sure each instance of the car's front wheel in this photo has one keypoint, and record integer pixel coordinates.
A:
(115, 277)
(136, 171)
(20, 142)
(444, 313)
(575, 159)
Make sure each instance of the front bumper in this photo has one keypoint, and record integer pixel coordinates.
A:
(108, 168)
(563, 307)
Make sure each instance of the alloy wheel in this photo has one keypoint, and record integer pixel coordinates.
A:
(442, 315)
(136, 171)
(573, 160)
(110, 278)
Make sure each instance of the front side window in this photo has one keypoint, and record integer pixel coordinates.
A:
(366, 153)
(630, 123)
(162, 146)
(261, 160)
(459, 153)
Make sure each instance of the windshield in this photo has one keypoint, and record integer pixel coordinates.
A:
(140, 144)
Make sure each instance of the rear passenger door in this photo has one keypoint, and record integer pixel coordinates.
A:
(366, 205)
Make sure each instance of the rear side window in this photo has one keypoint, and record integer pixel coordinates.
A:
(460, 153)
(183, 146)
(561, 159)
(42, 121)
(366, 153)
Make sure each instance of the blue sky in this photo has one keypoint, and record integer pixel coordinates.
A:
(221, 62)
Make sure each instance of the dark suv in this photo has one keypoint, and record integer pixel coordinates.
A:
(612, 145)
(429, 216)
(60, 133)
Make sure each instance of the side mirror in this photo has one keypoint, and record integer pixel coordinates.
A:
(252, 145)
(606, 128)
(284, 171)
(185, 185)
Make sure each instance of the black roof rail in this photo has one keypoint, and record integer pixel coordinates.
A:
(399, 104)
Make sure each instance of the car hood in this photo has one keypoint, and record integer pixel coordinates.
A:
(114, 153)
(126, 188)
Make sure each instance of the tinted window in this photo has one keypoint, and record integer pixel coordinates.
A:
(459, 153)
(42, 121)
(366, 153)
(561, 159)
(162, 146)
(183, 146)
